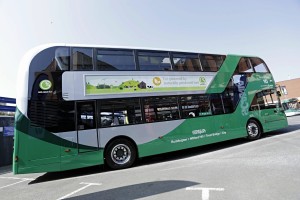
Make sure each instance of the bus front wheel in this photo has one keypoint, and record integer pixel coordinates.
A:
(120, 154)
(253, 130)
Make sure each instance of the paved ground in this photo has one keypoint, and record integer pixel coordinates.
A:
(264, 169)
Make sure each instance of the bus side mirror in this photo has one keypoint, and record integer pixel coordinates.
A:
(279, 93)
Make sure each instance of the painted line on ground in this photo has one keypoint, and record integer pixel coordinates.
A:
(205, 191)
(15, 178)
(82, 188)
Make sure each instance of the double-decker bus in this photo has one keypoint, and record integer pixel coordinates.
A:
(81, 106)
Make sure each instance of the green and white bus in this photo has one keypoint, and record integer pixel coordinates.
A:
(81, 106)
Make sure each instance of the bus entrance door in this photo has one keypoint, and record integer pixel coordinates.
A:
(86, 126)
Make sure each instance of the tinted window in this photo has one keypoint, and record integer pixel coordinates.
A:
(117, 112)
(186, 62)
(264, 100)
(194, 106)
(82, 58)
(161, 109)
(150, 60)
(189, 106)
(53, 93)
(204, 105)
(244, 66)
(86, 115)
(115, 60)
(258, 102)
(227, 98)
(216, 104)
(62, 58)
(52, 115)
(240, 82)
(51, 59)
(240, 78)
(258, 65)
(66, 114)
(211, 63)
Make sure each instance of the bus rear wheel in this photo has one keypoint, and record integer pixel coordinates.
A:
(253, 130)
(120, 154)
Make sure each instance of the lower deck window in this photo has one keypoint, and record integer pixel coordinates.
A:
(117, 112)
(161, 109)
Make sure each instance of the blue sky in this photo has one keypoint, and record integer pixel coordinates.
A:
(268, 29)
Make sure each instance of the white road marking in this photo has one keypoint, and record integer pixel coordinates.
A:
(15, 178)
(205, 191)
(184, 166)
(84, 187)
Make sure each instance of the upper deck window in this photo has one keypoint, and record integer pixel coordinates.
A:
(211, 63)
(62, 58)
(82, 58)
(244, 66)
(241, 74)
(154, 60)
(110, 60)
(186, 62)
(258, 65)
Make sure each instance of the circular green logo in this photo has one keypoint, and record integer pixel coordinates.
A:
(45, 84)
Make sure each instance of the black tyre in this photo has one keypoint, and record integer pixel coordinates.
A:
(120, 154)
(253, 130)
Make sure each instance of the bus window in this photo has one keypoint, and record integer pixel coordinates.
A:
(85, 115)
(62, 58)
(110, 60)
(260, 100)
(244, 66)
(216, 104)
(227, 98)
(263, 100)
(195, 106)
(150, 60)
(150, 115)
(204, 105)
(269, 98)
(239, 79)
(186, 62)
(115, 112)
(161, 109)
(258, 65)
(82, 58)
(189, 106)
(211, 63)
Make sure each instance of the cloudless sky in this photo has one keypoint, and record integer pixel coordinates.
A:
(265, 28)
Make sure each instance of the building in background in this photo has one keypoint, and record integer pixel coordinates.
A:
(290, 88)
